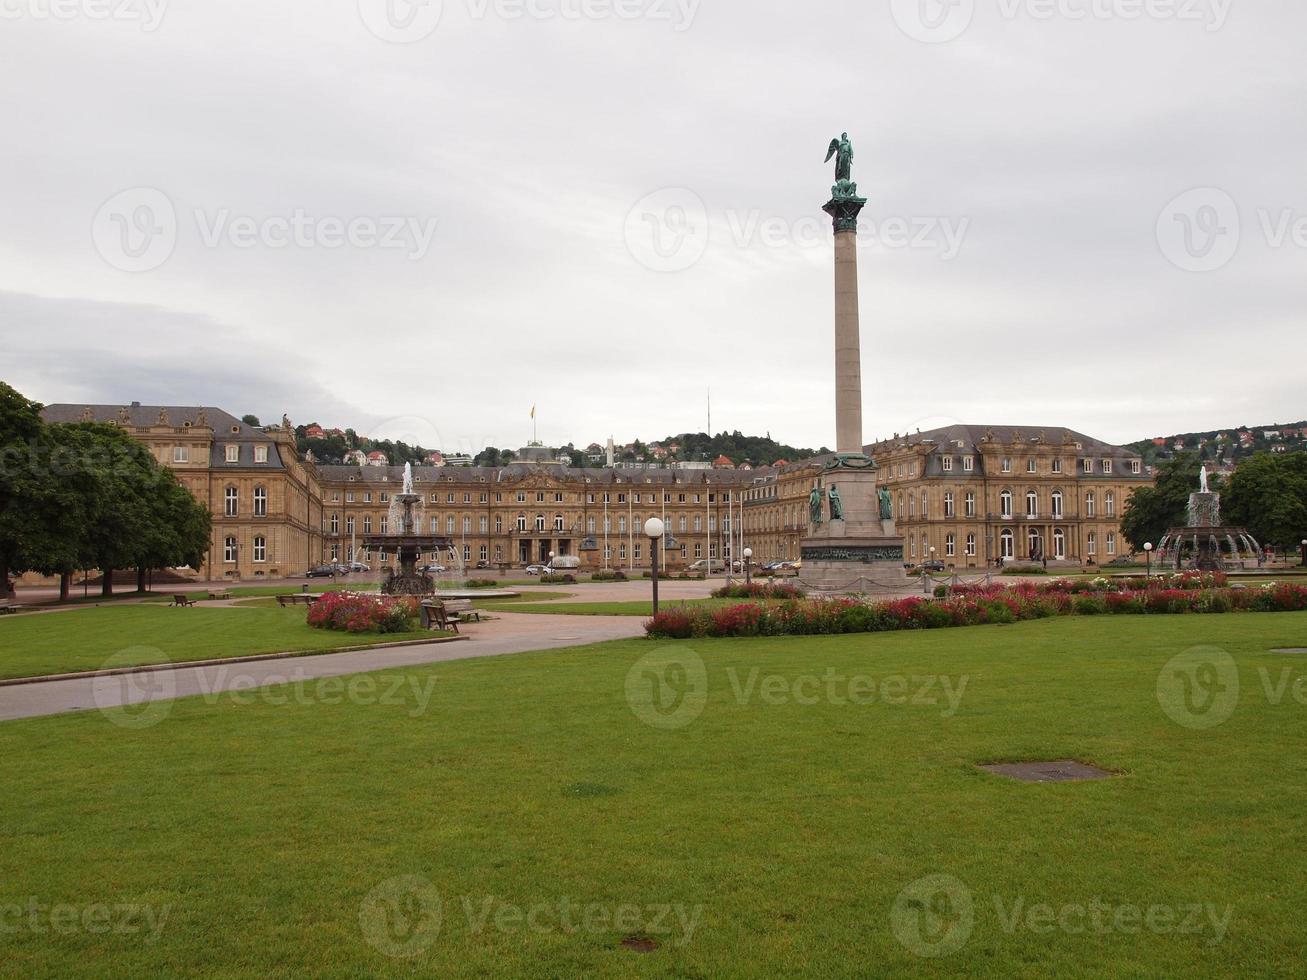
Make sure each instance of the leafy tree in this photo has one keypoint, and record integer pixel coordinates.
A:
(252, 420)
(1268, 496)
(23, 510)
(1150, 511)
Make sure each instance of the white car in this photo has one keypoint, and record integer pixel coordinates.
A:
(537, 569)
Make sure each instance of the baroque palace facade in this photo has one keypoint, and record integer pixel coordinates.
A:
(972, 494)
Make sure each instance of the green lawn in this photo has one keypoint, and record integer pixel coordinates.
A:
(769, 828)
(626, 608)
(141, 633)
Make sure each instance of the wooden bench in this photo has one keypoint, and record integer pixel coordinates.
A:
(436, 617)
(297, 598)
(181, 600)
(220, 595)
(8, 606)
(462, 610)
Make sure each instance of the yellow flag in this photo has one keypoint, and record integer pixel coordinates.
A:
(533, 411)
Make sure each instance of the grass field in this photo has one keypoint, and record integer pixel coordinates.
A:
(141, 633)
(770, 807)
(629, 608)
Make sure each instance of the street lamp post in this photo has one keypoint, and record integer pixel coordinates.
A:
(551, 563)
(748, 567)
(653, 530)
(1304, 552)
(1148, 559)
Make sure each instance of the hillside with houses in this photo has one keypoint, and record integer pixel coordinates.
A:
(1223, 449)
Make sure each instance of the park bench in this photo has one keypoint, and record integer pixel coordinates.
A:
(296, 598)
(8, 606)
(220, 594)
(436, 617)
(462, 610)
(181, 600)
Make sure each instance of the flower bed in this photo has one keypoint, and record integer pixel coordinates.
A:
(973, 606)
(352, 612)
(759, 590)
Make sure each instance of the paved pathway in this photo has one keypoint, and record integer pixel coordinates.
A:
(510, 633)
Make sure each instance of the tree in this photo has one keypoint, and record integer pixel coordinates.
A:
(252, 420)
(23, 510)
(1268, 496)
(1151, 511)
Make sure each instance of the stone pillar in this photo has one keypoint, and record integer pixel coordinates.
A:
(848, 352)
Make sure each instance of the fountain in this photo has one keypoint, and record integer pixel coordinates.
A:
(1205, 543)
(405, 539)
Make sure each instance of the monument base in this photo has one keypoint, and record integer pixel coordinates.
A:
(862, 552)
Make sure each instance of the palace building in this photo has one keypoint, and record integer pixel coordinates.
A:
(966, 495)
(969, 495)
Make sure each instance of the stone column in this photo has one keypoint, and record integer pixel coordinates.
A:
(844, 212)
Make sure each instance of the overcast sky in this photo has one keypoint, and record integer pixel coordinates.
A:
(420, 220)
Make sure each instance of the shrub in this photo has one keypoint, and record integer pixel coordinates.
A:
(351, 612)
(759, 590)
(675, 625)
(556, 579)
(481, 583)
(609, 575)
(1024, 570)
(1089, 605)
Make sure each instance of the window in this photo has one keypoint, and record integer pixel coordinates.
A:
(521, 522)
(698, 551)
(335, 523)
(229, 550)
(260, 548)
(948, 503)
(1135, 466)
(467, 498)
(367, 523)
(621, 525)
(1089, 504)
(558, 522)
(925, 505)
(1111, 542)
(260, 454)
(1057, 503)
(467, 553)
(484, 553)
(483, 525)
(1059, 544)
(947, 464)
(1005, 503)
(467, 525)
(181, 454)
(499, 524)
(367, 497)
(1089, 466)
(449, 524)
(1107, 466)
(385, 521)
(521, 497)
(635, 552)
(970, 504)
(590, 525)
(260, 501)
(968, 463)
(349, 525)
(1032, 503)
(1091, 544)
(349, 496)
(233, 454)
(971, 546)
(1030, 465)
(231, 498)
(698, 523)
(1007, 465)
(1109, 504)
(1057, 465)
(621, 551)
(950, 546)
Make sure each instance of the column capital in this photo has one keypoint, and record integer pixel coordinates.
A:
(844, 206)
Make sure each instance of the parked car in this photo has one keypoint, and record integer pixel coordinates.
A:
(483, 564)
(326, 571)
(710, 566)
(537, 569)
(934, 565)
(358, 566)
(433, 569)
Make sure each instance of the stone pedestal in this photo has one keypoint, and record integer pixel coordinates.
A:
(862, 552)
